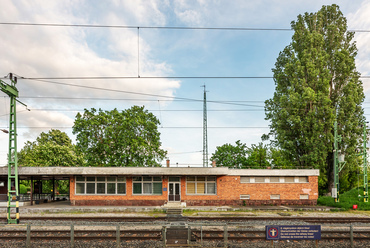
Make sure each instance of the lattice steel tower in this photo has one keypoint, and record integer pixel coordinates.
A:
(13, 193)
(205, 138)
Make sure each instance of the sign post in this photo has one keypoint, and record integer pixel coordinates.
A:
(304, 232)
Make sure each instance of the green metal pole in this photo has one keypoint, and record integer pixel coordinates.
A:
(366, 190)
(13, 194)
(336, 162)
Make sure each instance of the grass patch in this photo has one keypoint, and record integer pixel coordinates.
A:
(346, 201)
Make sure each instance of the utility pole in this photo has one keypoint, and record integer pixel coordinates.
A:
(13, 192)
(335, 192)
(205, 138)
(364, 155)
(338, 162)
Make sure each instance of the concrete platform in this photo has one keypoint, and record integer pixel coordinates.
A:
(65, 206)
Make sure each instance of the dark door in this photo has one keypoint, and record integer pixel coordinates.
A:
(174, 191)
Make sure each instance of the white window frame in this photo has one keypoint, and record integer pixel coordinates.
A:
(85, 182)
(304, 197)
(274, 197)
(147, 182)
(245, 197)
(207, 180)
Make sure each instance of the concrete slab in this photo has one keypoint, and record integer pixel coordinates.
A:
(65, 206)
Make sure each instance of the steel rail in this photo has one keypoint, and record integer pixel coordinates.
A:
(204, 219)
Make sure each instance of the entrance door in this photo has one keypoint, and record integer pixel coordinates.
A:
(174, 192)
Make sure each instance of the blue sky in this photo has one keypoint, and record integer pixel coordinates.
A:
(40, 51)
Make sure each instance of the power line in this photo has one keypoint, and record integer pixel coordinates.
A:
(124, 99)
(155, 27)
(145, 77)
(178, 153)
(150, 77)
(158, 127)
(141, 27)
(143, 94)
(159, 110)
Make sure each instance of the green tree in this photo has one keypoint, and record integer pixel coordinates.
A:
(317, 81)
(231, 156)
(278, 160)
(54, 148)
(258, 156)
(113, 138)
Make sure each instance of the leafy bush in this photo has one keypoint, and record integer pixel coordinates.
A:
(22, 189)
(346, 200)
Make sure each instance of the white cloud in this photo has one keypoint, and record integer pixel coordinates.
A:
(360, 20)
(65, 51)
(39, 51)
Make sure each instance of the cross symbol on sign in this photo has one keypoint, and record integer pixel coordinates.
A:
(273, 232)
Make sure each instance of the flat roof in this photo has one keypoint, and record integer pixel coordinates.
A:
(61, 173)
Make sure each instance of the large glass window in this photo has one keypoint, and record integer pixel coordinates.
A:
(100, 185)
(147, 185)
(201, 185)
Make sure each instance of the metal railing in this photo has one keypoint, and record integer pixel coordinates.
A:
(198, 234)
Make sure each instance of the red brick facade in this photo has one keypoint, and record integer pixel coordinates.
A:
(228, 191)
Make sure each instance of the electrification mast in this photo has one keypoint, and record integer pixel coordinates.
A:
(13, 193)
(205, 138)
(337, 139)
(338, 162)
(364, 155)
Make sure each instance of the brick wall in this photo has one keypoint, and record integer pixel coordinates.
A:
(229, 190)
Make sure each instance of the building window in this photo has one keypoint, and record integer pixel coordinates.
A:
(289, 179)
(245, 179)
(100, 185)
(196, 185)
(303, 179)
(147, 186)
(274, 197)
(245, 197)
(274, 179)
(259, 179)
(303, 197)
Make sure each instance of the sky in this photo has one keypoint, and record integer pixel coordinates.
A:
(149, 64)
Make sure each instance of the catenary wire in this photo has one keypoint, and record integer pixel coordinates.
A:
(164, 127)
(144, 94)
(156, 27)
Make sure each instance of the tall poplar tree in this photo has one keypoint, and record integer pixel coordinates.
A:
(317, 82)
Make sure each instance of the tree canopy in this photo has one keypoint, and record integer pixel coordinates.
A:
(113, 138)
(317, 82)
(240, 156)
(54, 148)
(229, 155)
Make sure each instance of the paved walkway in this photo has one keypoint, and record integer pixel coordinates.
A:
(65, 206)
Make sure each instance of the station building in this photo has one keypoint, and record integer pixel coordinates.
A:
(190, 186)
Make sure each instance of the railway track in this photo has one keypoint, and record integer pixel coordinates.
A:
(233, 219)
(127, 235)
(214, 230)
(245, 235)
(196, 234)
(321, 220)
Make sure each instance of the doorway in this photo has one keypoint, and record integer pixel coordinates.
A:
(174, 192)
